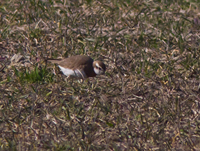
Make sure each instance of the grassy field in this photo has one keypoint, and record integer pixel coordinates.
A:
(149, 98)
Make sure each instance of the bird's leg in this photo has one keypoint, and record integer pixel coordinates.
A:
(80, 81)
(69, 79)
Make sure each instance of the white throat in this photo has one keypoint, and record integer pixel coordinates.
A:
(96, 71)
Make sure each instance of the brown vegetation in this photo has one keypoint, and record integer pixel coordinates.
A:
(148, 100)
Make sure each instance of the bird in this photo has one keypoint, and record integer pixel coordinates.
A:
(80, 66)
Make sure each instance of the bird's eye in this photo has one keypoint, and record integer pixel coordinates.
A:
(99, 68)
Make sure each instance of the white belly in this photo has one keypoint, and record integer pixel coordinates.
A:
(80, 74)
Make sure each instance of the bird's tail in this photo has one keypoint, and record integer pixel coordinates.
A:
(56, 61)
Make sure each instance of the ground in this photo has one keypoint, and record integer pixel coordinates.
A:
(148, 99)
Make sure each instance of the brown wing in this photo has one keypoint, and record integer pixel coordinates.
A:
(74, 62)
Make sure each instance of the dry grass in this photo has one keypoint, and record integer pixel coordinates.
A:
(148, 100)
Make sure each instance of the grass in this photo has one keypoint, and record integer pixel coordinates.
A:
(147, 100)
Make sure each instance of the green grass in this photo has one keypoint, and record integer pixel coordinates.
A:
(147, 100)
